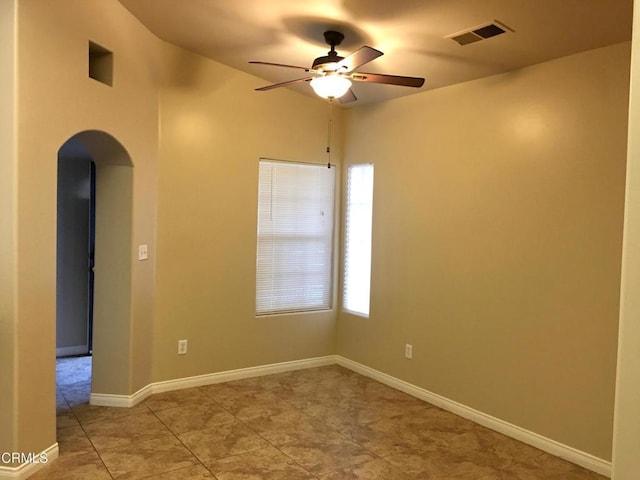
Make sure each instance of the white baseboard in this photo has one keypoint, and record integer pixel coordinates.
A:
(108, 400)
(25, 470)
(570, 454)
(126, 401)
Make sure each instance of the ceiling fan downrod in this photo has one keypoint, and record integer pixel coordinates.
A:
(333, 39)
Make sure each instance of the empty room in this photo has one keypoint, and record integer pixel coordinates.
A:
(337, 239)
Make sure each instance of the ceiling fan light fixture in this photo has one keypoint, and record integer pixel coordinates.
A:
(330, 76)
(330, 86)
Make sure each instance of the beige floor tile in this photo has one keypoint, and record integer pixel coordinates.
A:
(76, 467)
(519, 472)
(344, 415)
(345, 387)
(373, 389)
(73, 441)
(175, 398)
(308, 398)
(555, 468)
(265, 464)
(247, 407)
(434, 418)
(220, 392)
(66, 419)
(327, 455)
(95, 413)
(291, 426)
(222, 441)
(143, 459)
(196, 472)
(332, 424)
(278, 380)
(257, 384)
(532, 472)
(286, 394)
(377, 469)
(388, 436)
(319, 374)
(440, 464)
(437, 425)
(486, 447)
(124, 431)
(194, 417)
(276, 387)
(384, 407)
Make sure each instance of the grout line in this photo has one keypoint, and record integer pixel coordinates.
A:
(177, 437)
(243, 422)
(82, 427)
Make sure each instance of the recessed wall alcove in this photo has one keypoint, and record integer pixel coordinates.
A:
(100, 64)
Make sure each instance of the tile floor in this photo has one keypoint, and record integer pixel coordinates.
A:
(324, 423)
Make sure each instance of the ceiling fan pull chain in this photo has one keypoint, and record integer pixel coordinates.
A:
(329, 134)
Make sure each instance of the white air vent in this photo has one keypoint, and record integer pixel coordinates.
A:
(481, 32)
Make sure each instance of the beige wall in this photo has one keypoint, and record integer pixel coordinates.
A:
(497, 224)
(626, 461)
(7, 224)
(497, 237)
(214, 130)
(113, 321)
(57, 100)
(215, 127)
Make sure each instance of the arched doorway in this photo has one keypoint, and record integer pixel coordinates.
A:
(95, 188)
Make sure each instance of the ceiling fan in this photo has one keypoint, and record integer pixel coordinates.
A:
(331, 75)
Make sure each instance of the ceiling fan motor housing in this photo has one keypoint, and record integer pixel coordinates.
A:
(320, 61)
(333, 39)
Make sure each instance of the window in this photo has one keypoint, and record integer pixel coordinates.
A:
(357, 250)
(294, 267)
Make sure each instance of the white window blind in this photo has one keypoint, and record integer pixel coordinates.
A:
(295, 237)
(357, 256)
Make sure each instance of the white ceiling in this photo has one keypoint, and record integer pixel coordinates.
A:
(409, 32)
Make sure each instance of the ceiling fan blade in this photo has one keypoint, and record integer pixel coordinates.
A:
(284, 84)
(306, 69)
(387, 79)
(358, 58)
(348, 97)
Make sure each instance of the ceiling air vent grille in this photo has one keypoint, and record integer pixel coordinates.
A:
(481, 32)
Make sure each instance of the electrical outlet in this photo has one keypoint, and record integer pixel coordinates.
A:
(142, 252)
(182, 347)
(408, 351)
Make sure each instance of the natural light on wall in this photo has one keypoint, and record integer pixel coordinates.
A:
(357, 257)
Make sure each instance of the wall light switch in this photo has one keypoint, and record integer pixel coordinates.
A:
(142, 252)
(408, 351)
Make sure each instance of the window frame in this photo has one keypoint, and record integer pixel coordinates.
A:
(327, 237)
